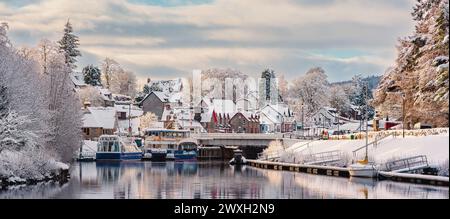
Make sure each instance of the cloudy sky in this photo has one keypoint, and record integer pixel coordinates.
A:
(170, 38)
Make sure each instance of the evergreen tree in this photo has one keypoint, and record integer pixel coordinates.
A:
(92, 75)
(68, 45)
(3, 101)
(268, 75)
(361, 96)
(146, 89)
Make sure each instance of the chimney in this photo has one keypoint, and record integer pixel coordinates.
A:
(86, 104)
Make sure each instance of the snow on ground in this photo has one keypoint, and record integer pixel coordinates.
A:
(89, 146)
(435, 147)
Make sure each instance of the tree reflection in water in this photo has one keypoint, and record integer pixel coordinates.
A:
(216, 180)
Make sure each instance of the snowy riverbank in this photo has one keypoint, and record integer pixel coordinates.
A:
(28, 168)
(434, 147)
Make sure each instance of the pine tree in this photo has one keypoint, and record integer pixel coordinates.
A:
(68, 45)
(92, 75)
(361, 96)
(3, 102)
(146, 89)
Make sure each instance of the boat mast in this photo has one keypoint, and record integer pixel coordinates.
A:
(129, 120)
(367, 121)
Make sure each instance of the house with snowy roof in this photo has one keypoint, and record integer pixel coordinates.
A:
(157, 101)
(107, 97)
(181, 118)
(77, 79)
(223, 116)
(244, 122)
(162, 94)
(276, 118)
(99, 121)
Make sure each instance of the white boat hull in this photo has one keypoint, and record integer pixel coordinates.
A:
(367, 171)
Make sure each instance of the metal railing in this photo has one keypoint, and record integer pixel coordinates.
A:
(407, 164)
(324, 157)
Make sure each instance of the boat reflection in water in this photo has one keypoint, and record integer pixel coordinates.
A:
(213, 180)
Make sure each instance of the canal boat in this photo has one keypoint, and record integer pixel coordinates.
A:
(186, 150)
(164, 144)
(113, 147)
(238, 158)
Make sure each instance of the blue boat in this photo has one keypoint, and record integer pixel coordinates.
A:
(112, 147)
(187, 150)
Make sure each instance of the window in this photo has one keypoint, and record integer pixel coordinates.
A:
(86, 131)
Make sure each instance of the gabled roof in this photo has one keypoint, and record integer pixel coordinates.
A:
(100, 117)
(165, 97)
(135, 111)
(77, 78)
(248, 116)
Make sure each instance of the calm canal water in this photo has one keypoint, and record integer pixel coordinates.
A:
(173, 180)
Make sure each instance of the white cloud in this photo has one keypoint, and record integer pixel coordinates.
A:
(249, 35)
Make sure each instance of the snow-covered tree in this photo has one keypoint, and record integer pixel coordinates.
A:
(13, 135)
(420, 74)
(311, 90)
(339, 100)
(92, 95)
(24, 124)
(92, 75)
(109, 68)
(123, 82)
(4, 40)
(147, 120)
(65, 110)
(214, 82)
(117, 79)
(68, 45)
(3, 101)
(283, 87)
(361, 96)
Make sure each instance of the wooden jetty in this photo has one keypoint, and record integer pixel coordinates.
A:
(343, 172)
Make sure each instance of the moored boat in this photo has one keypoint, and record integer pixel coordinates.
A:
(112, 147)
(238, 158)
(186, 150)
(163, 145)
(363, 170)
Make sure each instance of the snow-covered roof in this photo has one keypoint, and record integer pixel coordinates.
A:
(104, 117)
(105, 94)
(124, 125)
(276, 114)
(166, 86)
(166, 97)
(135, 111)
(77, 78)
(249, 116)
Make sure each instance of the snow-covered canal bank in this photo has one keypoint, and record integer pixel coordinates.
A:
(213, 180)
(435, 147)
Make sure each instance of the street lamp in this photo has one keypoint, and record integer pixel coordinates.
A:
(403, 113)
(303, 122)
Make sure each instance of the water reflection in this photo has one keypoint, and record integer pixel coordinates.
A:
(217, 180)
